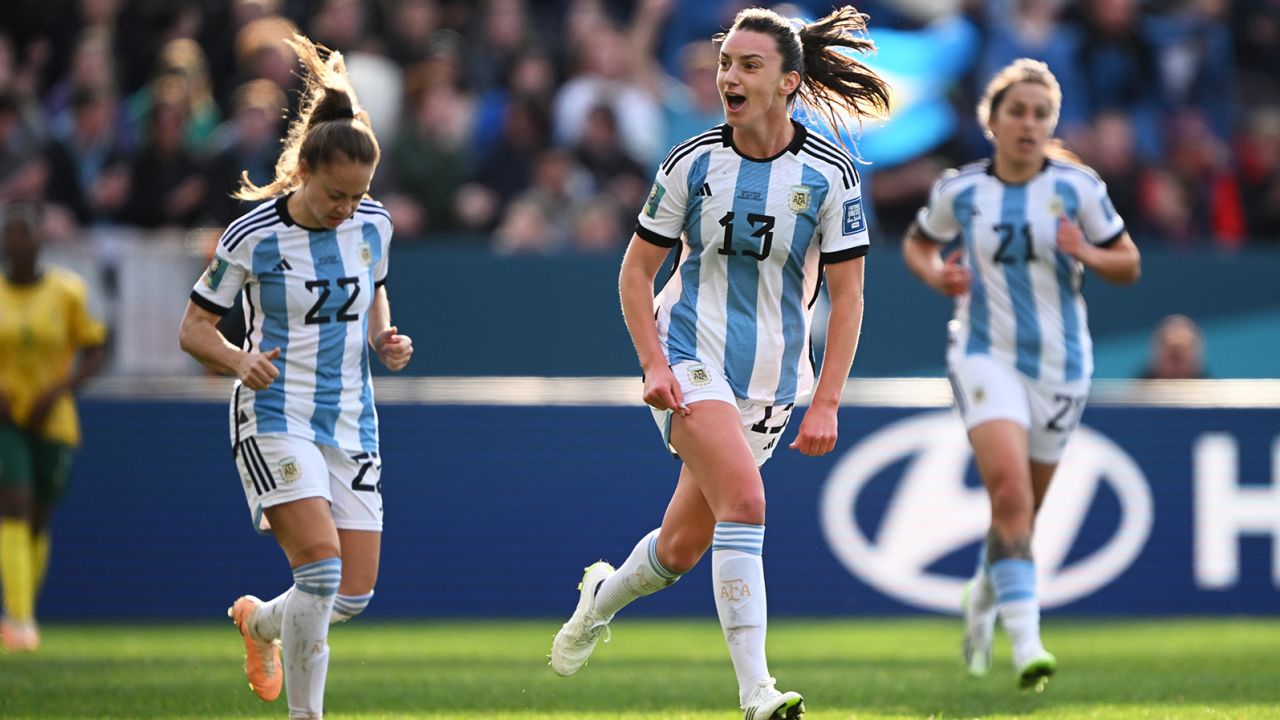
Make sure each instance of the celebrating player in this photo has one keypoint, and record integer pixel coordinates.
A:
(759, 210)
(312, 262)
(1020, 357)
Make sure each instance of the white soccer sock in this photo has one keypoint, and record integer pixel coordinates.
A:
(641, 574)
(1015, 583)
(346, 607)
(737, 574)
(266, 621)
(982, 593)
(1021, 619)
(305, 635)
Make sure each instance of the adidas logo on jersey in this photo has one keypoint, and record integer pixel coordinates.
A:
(705, 191)
(282, 266)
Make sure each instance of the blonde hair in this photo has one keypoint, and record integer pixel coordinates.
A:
(1018, 71)
(330, 124)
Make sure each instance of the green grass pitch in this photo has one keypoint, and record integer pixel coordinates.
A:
(846, 668)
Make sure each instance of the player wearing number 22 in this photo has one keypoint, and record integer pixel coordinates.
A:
(759, 211)
(1029, 221)
(311, 263)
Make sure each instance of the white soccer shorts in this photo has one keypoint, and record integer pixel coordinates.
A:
(987, 389)
(276, 468)
(762, 425)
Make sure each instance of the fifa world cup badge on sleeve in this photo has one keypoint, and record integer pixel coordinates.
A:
(1056, 206)
(854, 222)
(366, 254)
(290, 471)
(213, 276)
(655, 199)
(798, 201)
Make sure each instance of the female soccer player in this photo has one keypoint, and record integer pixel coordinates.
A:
(759, 208)
(311, 262)
(1020, 356)
(45, 325)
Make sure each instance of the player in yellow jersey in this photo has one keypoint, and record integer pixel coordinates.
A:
(49, 344)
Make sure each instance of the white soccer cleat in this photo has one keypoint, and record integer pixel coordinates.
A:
(979, 632)
(767, 703)
(577, 638)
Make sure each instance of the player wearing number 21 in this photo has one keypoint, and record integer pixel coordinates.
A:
(759, 210)
(311, 263)
(1020, 358)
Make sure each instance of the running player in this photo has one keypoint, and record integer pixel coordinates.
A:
(759, 210)
(311, 262)
(1020, 358)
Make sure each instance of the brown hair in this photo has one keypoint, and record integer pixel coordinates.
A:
(330, 124)
(831, 81)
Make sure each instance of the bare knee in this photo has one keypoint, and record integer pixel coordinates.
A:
(1012, 505)
(314, 553)
(747, 508)
(680, 549)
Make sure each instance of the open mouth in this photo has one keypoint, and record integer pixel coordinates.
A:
(734, 101)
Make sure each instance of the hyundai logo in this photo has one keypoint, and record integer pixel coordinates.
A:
(932, 513)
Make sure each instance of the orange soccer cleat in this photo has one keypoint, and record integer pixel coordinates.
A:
(261, 658)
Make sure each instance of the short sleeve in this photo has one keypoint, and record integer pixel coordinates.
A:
(842, 224)
(1098, 218)
(379, 219)
(218, 286)
(661, 220)
(937, 219)
(85, 329)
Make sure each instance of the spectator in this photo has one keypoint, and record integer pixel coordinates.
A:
(429, 160)
(604, 74)
(1177, 351)
(1259, 157)
(167, 185)
(88, 170)
(246, 145)
(183, 61)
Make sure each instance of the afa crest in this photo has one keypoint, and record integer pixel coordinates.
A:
(290, 470)
(699, 376)
(798, 200)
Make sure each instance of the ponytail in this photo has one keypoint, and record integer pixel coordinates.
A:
(832, 82)
(330, 125)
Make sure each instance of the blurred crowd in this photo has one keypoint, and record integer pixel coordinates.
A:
(535, 126)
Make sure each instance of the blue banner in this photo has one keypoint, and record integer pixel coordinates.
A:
(494, 511)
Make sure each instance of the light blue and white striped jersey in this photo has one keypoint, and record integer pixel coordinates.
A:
(1024, 306)
(753, 237)
(308, 293)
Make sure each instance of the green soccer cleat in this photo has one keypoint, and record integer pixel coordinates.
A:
(1035, 673)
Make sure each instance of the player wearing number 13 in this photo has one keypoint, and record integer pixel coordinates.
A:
(759, 211)
(311, 263)
(1029, 221)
